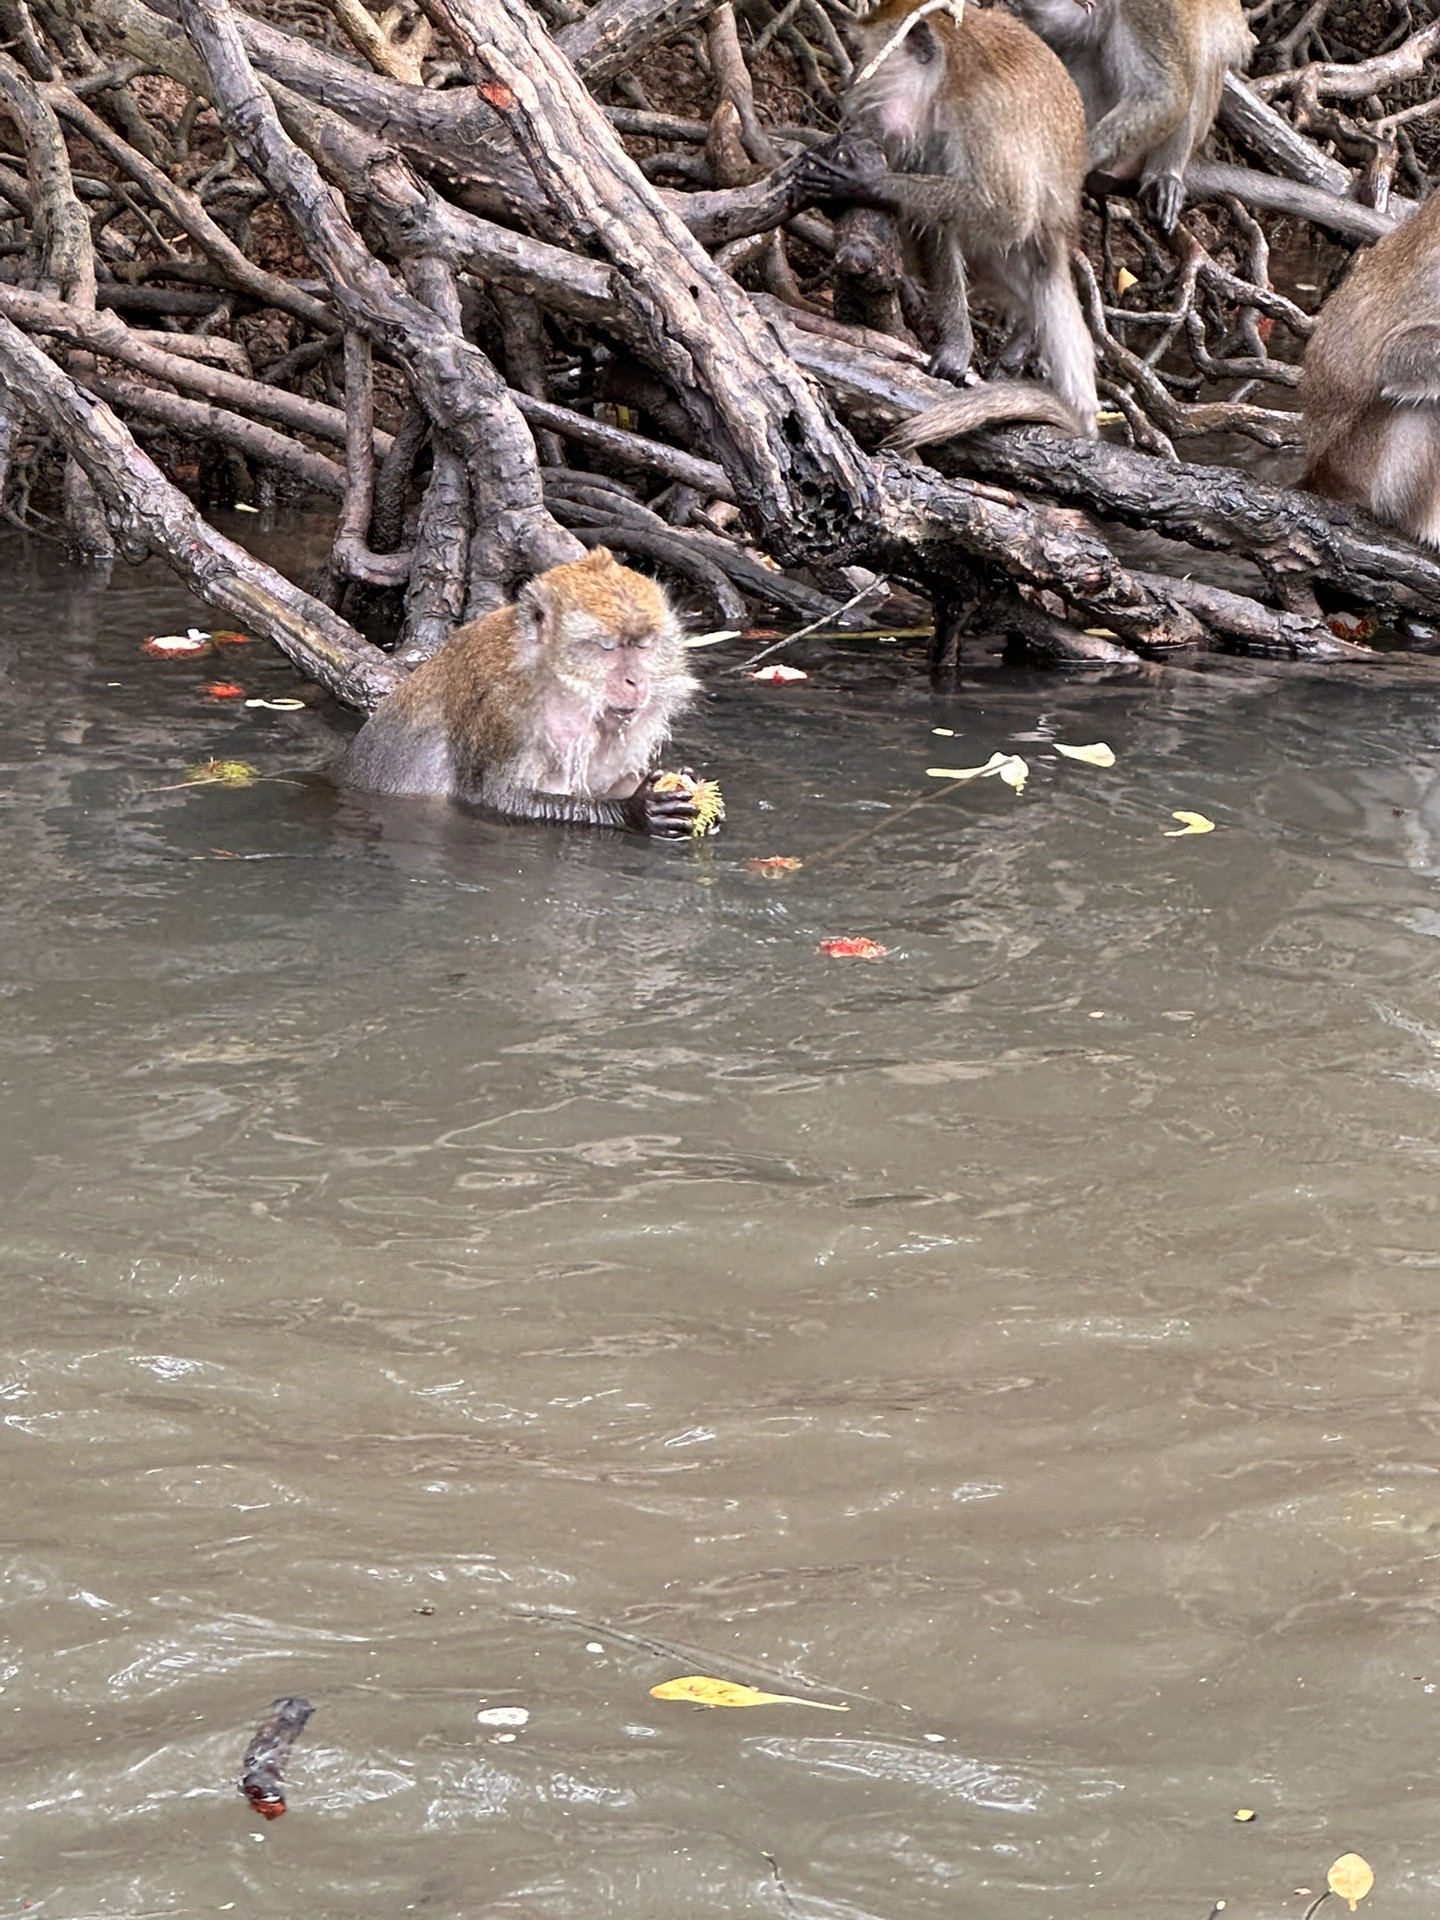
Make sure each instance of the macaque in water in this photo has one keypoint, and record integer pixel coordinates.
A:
(1370, 384)
(986, 134)
(553, 708)
(1150, 73)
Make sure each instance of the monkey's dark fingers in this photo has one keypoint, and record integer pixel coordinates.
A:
(664, 816)
(666, 820)
(1164, 200)
(845, 168)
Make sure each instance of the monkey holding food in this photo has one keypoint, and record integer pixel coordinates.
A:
(1151, 74)
(986, 133)
(554, 708)
(1370, 383)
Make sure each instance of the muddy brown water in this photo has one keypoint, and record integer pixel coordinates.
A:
(443, 1263)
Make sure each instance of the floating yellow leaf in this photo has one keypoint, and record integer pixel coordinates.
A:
(1350, 1879)
(1010, 767)
(1244, 1814)
(1098, 755)
(705, 1692)
(1124, 280)
(1190, 823)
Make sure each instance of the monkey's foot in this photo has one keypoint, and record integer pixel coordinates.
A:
(1163, 198)
(952, 362)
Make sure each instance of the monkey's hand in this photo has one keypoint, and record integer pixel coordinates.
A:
(663, 814)
(846, 168)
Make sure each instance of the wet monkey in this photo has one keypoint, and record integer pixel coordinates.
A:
(1370, 383)
(553, 708)
(1151, 74)
(985, 133)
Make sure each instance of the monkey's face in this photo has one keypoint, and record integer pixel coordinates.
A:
(612, 641)
(630, 675)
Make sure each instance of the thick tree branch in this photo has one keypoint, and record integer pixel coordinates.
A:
(456, 384)
(148, 514)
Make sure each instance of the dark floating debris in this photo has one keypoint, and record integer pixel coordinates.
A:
(265, 1757)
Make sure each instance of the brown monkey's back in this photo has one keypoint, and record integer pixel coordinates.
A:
(1005, 116)
(1349, 418)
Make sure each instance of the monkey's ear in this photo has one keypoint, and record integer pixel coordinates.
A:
(1409, 366)
(923, 45)
(535, 615)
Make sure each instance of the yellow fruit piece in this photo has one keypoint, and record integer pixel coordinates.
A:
(709, 802)
(224, 773)
(1124, 280)
(702, 1691)
(1350, 1879)
(1244, 1814)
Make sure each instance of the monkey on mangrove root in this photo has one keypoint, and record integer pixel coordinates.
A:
(553, 708)
(1151, 74)
(986, 133)
(1370, 382)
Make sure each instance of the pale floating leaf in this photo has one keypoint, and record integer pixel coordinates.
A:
(712, 639)
(503, 1716)
(1190, 823)
(704, 1691)
(1350, 1879)
(1098, 755)
(283, 705)
(1010, 767)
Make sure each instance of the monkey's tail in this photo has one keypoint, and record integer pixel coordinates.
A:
(990, 404)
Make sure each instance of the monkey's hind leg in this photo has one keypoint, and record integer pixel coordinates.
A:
(949, 296)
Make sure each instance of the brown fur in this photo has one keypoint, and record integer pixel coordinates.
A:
(1151, 74)
(555, 707)
(989, 404)
(1370, 385)
(985, 110)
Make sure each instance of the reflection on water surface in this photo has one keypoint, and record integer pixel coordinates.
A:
(418, 1231)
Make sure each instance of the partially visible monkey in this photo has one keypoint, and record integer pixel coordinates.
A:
(1151, 73)
(1370, 384)
(554, 708)
(983, 110)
